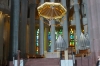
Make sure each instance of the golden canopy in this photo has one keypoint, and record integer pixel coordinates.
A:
(51, 10)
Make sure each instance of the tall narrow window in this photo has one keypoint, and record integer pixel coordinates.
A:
(37, 41)
(72, 42)
(49, 41)
(58, 32)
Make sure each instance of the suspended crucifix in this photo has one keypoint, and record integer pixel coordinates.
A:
(51, 11)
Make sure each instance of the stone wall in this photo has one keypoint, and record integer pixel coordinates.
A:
(93, 15)
(5, 6)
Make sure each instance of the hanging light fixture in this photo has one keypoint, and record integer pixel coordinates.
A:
(51, 11)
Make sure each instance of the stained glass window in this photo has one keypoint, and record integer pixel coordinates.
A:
(58, 32)
(49, 41)
(72, 42)
(37, 41)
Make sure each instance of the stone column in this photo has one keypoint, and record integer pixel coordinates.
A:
(14, 27)
(32, 28)
(85, 29)
(41, 36)
(27, 40)
(52, 33)
(85, 17)
(9, 5)
(77, 20)
(22, 28)
(65, 25)
(1, 35)
(46, 38)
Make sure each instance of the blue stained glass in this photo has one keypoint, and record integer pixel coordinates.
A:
(49, 49)
(49, 37)
(37, 40)
(71, 36)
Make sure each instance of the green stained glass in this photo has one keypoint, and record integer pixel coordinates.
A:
(55, 32)
(37, 44)
(56, 37)
(38, 32)
(72, 43)
(49, 33)
(49, 45)
(37, 52)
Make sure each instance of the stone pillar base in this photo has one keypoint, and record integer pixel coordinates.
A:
(11, 63)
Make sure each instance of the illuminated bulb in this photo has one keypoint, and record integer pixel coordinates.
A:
(72, 31)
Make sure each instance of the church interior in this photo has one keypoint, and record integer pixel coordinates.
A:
(27, 35)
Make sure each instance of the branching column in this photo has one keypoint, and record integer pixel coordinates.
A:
(65, 25)
(52, 33)
(41, 33)
(77, 20)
